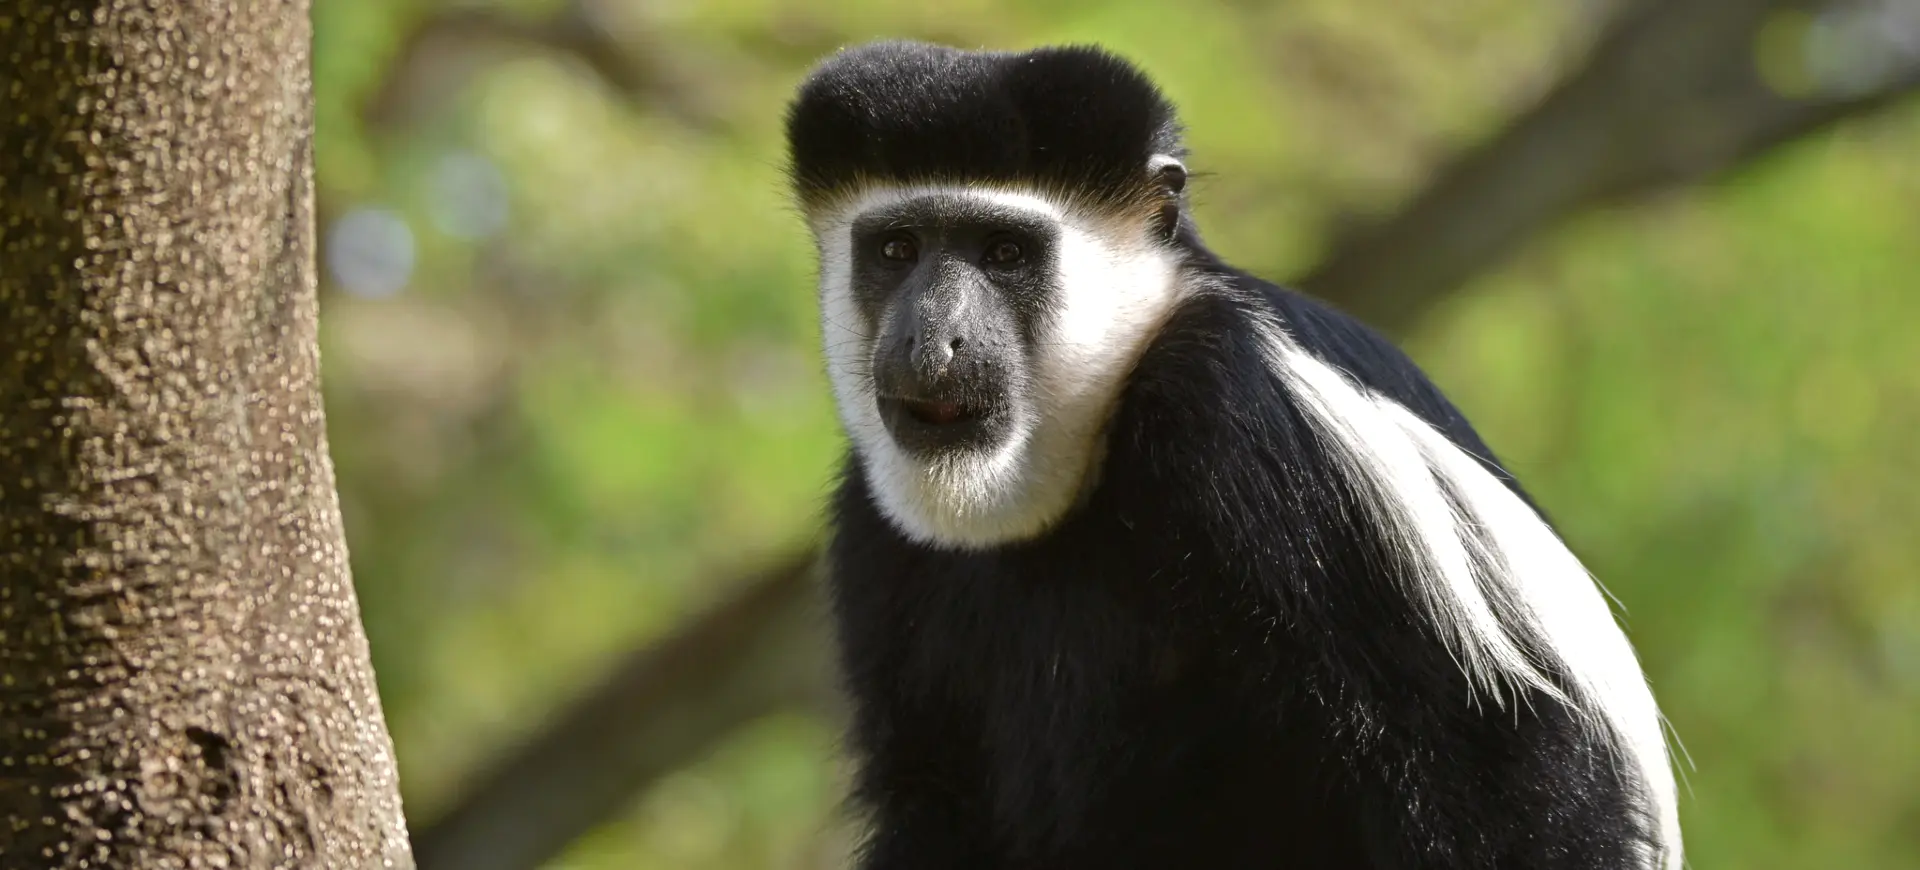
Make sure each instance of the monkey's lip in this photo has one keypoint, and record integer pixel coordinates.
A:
(934, 411)
(937, 413)
(924, 424)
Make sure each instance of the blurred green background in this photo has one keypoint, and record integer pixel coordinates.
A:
(570, 356)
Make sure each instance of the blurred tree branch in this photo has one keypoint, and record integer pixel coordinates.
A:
(1671, 93)
(444, 48)
(754, 654)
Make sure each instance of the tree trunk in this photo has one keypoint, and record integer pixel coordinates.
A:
(184, 680)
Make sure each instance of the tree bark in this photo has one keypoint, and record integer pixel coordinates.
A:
(184, 679)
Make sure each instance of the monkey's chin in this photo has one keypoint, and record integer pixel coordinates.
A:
(958, 499)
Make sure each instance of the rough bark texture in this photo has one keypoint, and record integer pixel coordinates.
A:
(184, 680)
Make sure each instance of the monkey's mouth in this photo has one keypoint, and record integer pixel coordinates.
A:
(935, 413)
(923, 425)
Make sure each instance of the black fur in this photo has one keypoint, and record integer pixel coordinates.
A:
(1213, 661)
(1074, 120)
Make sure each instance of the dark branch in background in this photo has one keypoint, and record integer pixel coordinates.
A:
(1668, 95)
(1671, 94)
(756, 654)
(444, 49)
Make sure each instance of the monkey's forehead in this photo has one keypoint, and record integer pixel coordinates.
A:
(1076, 122)
(917, 204)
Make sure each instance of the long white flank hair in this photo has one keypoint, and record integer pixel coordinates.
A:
(1486, 567)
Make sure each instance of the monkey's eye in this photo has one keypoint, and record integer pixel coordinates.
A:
(1005, 252)
(899, 249)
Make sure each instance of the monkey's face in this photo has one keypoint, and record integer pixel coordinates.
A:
(955, 290)
(977, 340)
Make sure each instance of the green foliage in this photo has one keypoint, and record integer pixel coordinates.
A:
(553, 435)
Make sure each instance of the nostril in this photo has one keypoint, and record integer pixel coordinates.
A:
(954, 345)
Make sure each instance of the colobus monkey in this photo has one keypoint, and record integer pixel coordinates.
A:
(1140, 561)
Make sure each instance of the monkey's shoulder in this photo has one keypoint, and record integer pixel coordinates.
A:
(1211, 381)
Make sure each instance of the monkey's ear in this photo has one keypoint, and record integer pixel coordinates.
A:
(1170, 177)
(1169, 173)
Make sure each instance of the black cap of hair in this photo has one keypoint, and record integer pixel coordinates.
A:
(1074, 122)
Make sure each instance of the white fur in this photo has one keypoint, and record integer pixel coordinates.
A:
(1399, 460)
(1115, 289)
(1565, 606)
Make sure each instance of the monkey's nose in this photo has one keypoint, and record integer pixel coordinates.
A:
(933, 351)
